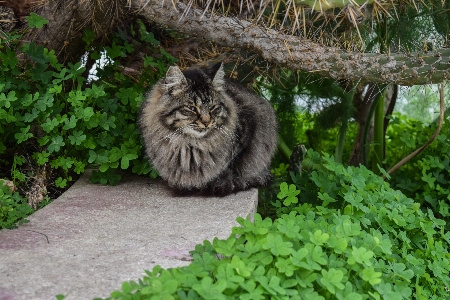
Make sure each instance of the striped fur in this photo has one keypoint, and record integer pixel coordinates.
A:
(205, 133)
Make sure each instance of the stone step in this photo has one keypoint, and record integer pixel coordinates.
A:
(92, 238)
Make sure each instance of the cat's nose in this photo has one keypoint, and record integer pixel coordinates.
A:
(206, 120)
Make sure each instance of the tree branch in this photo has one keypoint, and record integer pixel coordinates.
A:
(299, 53)
(432, 138)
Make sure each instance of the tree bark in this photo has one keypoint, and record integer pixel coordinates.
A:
(299, 53)
(362, 104)
(68, 18)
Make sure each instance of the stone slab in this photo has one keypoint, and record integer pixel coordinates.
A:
(92, 238)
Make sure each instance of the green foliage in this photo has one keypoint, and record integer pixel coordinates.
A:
(288, 193)
(13, 208)
(426, 177)
(35, 21)
(360, 240)
(50, 114)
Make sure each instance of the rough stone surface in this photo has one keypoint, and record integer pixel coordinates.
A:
(88, 241)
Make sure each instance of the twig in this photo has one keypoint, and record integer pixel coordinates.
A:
(432, 138)
(48, 242)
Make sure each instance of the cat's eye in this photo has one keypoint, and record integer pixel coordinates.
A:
(192, 108)
(214, 107)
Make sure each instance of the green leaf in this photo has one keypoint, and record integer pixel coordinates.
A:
(115, 51)
(348, 293)
(88, 36)
(9, 59)
(315, 257)
(56, 144)
(400, 270)
(77, 137)
(253, 292)
(70, 123)
(288, 227)
(289, 192)
(285, 266)
(7, 116)
(325, 198)
(207, 289)
(227, 273)
(28, 99)
(36, 21)
(89, 143)
(361, 255)
(430, 179)
(76, 97)
(224, 247)
(276, 245)
(127, 95)
(45, 101)
(37, 55)
(5, 100)
(298, 258)
(125, 162)
(23, 135)
(39, 72)
(42, 157)
(50, 124)
(339, 244)
(56, 89)
(272, 286)
(30, 117)
(385, 289)
(331, 279)
(369, 275)
(79, 167)
(60, 182)
(107, 122)
(318, 238)
(240, 267)
(84, 113)
(105, 177)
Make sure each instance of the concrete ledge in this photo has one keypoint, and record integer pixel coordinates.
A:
(92, 238)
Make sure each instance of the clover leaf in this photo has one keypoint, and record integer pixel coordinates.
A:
(289, 192)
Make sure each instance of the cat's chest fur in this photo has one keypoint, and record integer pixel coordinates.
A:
(204, 133)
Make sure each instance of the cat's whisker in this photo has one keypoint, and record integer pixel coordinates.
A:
(171, 135)
(229, 133)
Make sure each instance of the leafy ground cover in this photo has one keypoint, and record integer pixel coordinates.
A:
(339, 233)
(53, 124)
(426, 177)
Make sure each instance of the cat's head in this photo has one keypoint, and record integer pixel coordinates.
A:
(192, 100)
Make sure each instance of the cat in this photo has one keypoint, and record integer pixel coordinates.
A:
(207, 134)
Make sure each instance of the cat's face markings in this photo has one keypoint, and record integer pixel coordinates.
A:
(194, 101)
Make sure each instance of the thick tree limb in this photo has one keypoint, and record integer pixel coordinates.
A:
(68, 18)
(299, 53)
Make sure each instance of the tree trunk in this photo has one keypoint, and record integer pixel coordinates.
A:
(362, 103)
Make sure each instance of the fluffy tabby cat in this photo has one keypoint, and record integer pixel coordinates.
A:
(204, 133)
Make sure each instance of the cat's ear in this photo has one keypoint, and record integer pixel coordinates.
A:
(218, 73)
(174, 80)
